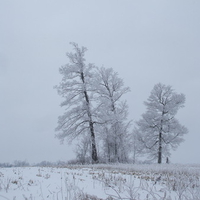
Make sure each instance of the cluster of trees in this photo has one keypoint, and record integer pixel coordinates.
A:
(97, 116)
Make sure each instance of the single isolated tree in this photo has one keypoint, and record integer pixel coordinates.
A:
(112, 114)
(159, 131)
(75, 88)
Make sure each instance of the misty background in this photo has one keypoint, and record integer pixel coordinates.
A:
(146, 42)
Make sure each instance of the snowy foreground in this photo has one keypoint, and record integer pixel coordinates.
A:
(138, 182)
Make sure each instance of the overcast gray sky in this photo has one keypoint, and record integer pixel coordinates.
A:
(146, 42)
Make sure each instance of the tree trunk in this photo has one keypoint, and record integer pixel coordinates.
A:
(160, 148)
(108, 153)
(116, 152)
(94, 150)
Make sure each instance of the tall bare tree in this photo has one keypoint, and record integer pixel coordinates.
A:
(75, 88)
(158, 131)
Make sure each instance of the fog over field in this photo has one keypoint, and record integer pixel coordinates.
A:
(146, 42)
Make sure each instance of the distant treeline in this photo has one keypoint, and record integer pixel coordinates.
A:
(59, 163)
(19, 163)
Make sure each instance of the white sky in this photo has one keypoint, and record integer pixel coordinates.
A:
(145, 41)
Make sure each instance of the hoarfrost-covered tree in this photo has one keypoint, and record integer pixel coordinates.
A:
(113, 114)
(82, 150)
(159, 131)
(75, 88)
(136, 146)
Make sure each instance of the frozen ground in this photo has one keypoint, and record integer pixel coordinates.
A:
(134, 182)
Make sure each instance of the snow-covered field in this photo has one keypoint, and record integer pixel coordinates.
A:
(134, 182)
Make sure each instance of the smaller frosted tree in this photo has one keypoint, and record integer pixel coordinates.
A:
(136, 147)
(159, 131)
(83, 149)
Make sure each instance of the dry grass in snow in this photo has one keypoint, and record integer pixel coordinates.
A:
(100, 182)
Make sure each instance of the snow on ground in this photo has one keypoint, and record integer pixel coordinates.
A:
(139, 182)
